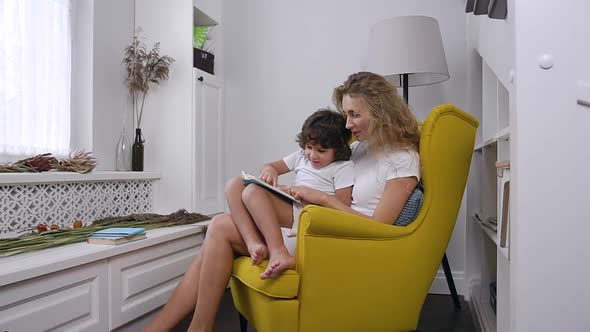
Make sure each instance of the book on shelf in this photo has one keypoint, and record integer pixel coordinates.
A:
(503, 169)
(490, 223)
(117, 235)
(249, 179)
(505, 218)
(502, 166)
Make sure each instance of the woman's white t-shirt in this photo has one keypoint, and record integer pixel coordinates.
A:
(372, 170)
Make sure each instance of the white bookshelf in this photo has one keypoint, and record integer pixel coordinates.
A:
(488, 261)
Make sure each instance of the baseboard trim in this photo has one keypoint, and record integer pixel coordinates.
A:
(439, 285)
(483, 317)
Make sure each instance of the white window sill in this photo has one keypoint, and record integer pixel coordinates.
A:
(57, 177)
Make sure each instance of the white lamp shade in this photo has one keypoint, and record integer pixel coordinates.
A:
(408, 45)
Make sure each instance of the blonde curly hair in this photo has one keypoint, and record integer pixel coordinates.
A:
(392, 125)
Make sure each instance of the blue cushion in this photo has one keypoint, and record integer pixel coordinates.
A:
(411, 209)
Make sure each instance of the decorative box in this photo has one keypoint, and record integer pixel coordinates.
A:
(203, 60)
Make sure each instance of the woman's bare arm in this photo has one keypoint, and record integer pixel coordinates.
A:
(344, 195)
(396, 194)
(324, 199)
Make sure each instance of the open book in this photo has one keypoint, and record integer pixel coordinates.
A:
(248, 179)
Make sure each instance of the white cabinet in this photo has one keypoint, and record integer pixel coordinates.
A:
(208, 193)
(141, 281)
(82, 287)
(186, 131)
(69, 300)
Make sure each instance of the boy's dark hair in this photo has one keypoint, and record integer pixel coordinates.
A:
(328, 129)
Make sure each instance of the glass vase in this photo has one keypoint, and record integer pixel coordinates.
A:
(123, 155)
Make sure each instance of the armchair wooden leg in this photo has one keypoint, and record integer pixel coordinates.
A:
(243, 323)
(450, 282)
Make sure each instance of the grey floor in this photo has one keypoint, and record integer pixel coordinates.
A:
(438, 315)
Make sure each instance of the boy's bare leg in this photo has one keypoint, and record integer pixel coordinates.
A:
(270, 213)
(216, 264)
(243, 220)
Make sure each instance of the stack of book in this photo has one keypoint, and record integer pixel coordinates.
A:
(117, 235)
(491, 223)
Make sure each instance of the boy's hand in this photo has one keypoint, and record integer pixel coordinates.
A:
(269, 175)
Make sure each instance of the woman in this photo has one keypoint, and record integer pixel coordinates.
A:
(386, 172)
(385, 155)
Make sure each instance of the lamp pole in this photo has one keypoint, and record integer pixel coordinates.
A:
(405, 87)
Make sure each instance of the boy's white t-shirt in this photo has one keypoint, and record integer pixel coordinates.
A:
(337, 175)
(372, 171)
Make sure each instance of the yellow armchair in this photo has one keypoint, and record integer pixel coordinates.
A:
(354, 274)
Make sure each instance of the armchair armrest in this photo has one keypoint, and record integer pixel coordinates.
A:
(338, 252)
(322, 221)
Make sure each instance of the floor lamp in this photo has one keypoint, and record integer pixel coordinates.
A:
(408, 51)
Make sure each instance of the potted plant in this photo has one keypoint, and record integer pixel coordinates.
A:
(144, 68)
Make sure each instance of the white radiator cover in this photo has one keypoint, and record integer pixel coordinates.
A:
(56, 198)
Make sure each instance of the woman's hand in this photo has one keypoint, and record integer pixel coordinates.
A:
(269, 175)
(307, 194)
(284, 188)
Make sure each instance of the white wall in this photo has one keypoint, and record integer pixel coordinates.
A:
(283, 59)
(167, 115)
(81, 95)
(550, 252)
(113, 30)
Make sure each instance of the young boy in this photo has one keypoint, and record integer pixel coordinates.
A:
(321, 164)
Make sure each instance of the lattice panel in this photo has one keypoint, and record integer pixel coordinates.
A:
(26, 205)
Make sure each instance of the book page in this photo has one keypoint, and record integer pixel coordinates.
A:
(248, 178)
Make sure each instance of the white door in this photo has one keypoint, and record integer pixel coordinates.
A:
(208, 194)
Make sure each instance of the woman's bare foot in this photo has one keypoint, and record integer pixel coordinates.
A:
(258, 253)
(279, 262)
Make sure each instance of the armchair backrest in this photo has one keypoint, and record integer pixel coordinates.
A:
(446, 147)
(389, 269)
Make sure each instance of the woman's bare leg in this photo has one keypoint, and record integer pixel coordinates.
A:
(182, 301)
(243, 220)
(186, 296)
(270, 213)
(216, 264)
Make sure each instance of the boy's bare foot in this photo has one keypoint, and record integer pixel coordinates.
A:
(279, 262)
(258, 253)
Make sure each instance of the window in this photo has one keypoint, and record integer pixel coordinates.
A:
(35, 77)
